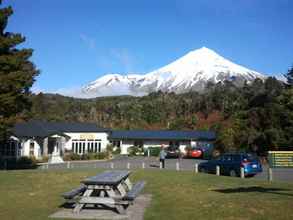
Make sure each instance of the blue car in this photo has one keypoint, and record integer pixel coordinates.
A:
(230, 164)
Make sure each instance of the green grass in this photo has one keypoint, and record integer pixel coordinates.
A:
(176, 195)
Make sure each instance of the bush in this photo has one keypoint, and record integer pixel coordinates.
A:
(44, 159)
(89, 156)
(116, 150)
(102, 155)
(20, 163)
(154, 151)
(133, 151)
(26, 163)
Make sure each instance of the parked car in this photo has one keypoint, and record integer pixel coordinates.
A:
(172, 152)
(194, 153)
(230, 164)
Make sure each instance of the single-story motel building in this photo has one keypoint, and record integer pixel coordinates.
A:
(40, 139)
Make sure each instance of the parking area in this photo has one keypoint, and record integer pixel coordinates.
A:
(125, 162)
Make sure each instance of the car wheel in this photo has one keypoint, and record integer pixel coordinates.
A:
(233, 173)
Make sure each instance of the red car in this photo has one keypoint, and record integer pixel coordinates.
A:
(194, 153)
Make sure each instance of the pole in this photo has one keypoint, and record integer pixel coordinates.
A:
(128, 165)
(242, 173)
(112, 165)
(270, 174)
(196, 168)
(177, 166)
(218, 170)
(143, 165)
(161, 164)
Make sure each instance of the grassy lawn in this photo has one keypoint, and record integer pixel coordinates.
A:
(176, 195)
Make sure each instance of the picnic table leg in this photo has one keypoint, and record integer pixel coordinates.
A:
(121, 189)
(128, 183)
(79, 206)
(121, 209)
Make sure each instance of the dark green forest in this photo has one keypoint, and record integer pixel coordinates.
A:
(257, 116)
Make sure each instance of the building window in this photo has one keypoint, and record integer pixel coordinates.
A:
(92, 146)
(88, 146)
(32, 148)
(96, 147)
(80, 147)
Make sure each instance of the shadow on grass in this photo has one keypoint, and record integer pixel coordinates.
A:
(277, 191)
(71, 205)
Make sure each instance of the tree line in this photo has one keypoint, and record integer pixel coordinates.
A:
(257, 116)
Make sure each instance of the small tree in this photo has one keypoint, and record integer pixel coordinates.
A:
(17, 74)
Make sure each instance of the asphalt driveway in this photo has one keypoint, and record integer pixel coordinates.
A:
(125, 162)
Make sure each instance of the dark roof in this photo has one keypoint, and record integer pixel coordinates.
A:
(163, 135)
(44, 129)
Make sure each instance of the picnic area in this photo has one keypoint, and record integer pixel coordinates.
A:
(36, 194)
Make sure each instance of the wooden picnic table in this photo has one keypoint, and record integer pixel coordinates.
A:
(110, 188)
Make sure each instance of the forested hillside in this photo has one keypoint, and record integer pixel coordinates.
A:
(257, 116)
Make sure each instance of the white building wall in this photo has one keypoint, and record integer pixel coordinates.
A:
(26, 148)
(103, 136)
(125, 144)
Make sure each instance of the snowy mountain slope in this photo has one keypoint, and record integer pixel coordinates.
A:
(190, 72)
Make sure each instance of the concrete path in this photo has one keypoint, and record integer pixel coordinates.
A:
(134, 212)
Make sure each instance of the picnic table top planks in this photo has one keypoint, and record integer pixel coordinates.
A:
(110, 177)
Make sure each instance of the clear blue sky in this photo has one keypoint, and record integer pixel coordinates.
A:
(77, 41)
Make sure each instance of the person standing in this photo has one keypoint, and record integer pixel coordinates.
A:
(162, 156)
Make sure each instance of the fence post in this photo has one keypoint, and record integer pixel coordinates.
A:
(242, 173)
(161, 164)
(128, 165)
(196, 168)
(68, 164)
(143, 165)
(218, 170)
(177, 166)
(270, 174)
(112, 165)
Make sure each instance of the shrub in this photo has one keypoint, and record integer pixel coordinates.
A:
(26, 163)
(154, 151)
(134, 151)
(85, 157)
(89, 156)
(109, 150)
(116, 150)
(102, 155)
(44, 159)
(74, 156)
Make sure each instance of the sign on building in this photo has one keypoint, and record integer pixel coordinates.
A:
(278, 159)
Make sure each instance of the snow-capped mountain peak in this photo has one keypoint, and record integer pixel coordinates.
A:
(190, 72)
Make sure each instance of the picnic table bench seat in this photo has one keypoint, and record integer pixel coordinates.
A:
(72, 193)
(134, 192)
